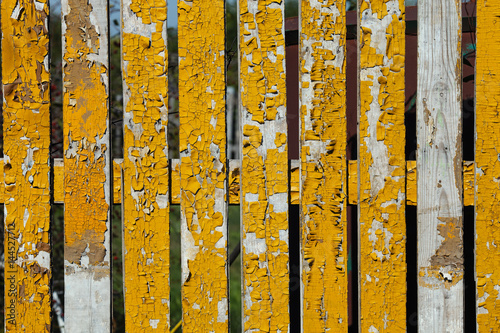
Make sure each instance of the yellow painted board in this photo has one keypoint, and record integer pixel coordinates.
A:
(382, 166)
(352, 188)
(26, 165)
(411, 183)
(264, 166)
(294, 182)
(202, 148)
(323, 181)
(146, 209)
(440, 260)
(87, 166)
(175, 186)
(487, 165)
(468, 181)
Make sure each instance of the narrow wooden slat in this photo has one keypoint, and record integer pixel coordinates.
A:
(382, 166)
(468, 181)
(26, 171)
(146, 206)
(439, 167)
(87, 166)
(487, 156)
(294, 173)
(264, 170)
(352, 187)
(323, 181)
(202, 147)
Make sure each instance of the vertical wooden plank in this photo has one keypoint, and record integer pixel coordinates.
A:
(145, 166)
(382, 166)
(488, 165)
(439, 167)
(264, 171)
(87, 166)
(26, 102)
(323, 165)
(202, 137)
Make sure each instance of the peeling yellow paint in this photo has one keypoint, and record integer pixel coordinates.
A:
(145, 167)
(264, 171)
(202, 137)
(411, 183)
(175, 186)
(26, 126)
(323, 162)
(382, 166)
(468, 170)
(294, 182)
(488, 165)
(352, 188)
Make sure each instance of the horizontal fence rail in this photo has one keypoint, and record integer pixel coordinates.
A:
(310, 260)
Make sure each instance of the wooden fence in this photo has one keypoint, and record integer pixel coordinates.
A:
(264, 183)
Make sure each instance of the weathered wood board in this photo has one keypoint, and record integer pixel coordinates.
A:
(203, 167)
(87, 166)
(146, 207)
(264, 166)
(26, 165)
(382, 166)
(439, 167)
(323, 196)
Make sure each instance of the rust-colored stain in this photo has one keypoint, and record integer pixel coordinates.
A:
(145, 167)
(323, 164)
(382, 166)
(487, 166)
(264, 170)
(26, 126)
(202, 147)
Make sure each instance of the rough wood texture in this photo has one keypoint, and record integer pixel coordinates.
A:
(488, 165)
(145, 168)
(439, 167)
(202, 137)
(264, 170)
(382, 166)
(26, 165)
(87, 166)
(324, 167)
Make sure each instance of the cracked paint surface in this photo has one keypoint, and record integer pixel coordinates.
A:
(488, 165)
(145, 167)
(382, 166)
(323, 164)
(202, 137)
(264, 171)
(87, 166)
(439, 167)
(26, 125)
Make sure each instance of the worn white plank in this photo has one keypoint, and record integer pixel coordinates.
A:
(439, 167)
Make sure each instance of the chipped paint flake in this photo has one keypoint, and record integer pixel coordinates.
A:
(145, 166)
(323, 178)
(203, 167)
(382, 166)
(488, 165)
(264, 171)
(26, 126)
(87, 166)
